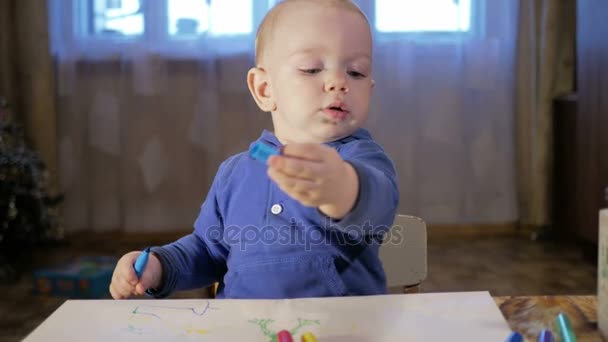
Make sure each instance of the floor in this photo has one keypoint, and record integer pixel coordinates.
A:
(503, 265)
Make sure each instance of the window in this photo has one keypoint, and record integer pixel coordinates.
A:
(179, 27)
(189, 18)
(423, 15)
(117, 17)
(183, 18)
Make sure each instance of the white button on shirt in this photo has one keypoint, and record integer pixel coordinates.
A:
(276, 209)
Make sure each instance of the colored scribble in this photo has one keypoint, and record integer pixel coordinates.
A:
(155, 319)
(263, 324)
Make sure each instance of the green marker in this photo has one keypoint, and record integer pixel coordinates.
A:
(565, 329)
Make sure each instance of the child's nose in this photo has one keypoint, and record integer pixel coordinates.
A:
(336, 83)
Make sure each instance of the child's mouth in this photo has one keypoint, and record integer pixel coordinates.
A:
(336, 113)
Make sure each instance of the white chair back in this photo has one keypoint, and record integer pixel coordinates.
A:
(403, 252)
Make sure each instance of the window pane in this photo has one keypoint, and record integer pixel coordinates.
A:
(218, 17)
(117, 17)
(423, 15)
(188, 17)
(231, 16)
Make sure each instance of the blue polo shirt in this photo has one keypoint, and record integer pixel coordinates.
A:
(257, 242)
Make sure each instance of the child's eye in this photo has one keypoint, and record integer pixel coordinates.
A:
(311, 71)
(356, 74)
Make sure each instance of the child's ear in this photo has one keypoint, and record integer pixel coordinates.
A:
(259, 86)
(373, 84)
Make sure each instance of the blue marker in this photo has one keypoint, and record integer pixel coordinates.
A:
(515, 337)
(262, 152)
(565, 329)
(140, 263)
(545, 336)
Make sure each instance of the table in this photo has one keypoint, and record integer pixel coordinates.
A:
(530, 314)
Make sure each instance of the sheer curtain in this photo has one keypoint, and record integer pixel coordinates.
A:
(443, 108)
(144, 124)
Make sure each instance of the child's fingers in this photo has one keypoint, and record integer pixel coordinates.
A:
(124, 274)
(302, 169)
(140, 289)
(113, 292)
(118, 293)
(130, 276)
(145, 282)
(289, 184)
(306, 199)
(124, 280)
(120, 289)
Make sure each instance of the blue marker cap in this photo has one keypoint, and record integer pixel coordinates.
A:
(545, 336)
(262, 152)
(140, 263)
(515, 337)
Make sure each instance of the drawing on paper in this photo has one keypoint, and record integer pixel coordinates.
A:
(168, 320)
(263, 324)
(429, 316)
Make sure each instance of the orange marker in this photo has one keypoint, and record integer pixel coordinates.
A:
(309, 337)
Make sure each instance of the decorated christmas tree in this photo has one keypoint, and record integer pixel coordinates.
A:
(28, 214)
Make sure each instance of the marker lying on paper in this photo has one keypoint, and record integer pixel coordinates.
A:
(309, 337)
(261, 152)
(284, 336)
(565, 329)
(545, 336)
(515, 337)
(140, 263)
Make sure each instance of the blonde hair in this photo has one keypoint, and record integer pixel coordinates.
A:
(268, 23)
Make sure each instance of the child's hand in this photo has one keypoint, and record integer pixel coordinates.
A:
(315, 175)
(124, 280)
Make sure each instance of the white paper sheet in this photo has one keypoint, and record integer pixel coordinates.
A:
(460, 316)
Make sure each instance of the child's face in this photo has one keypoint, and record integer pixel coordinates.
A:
(319, 69)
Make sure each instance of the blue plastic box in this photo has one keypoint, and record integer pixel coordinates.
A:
(87, 277)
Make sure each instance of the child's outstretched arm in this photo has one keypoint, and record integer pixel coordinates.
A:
(354, 187)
